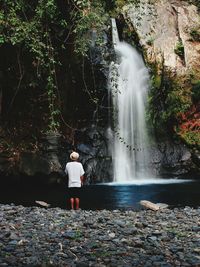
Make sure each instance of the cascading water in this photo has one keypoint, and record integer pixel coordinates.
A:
(129, 81)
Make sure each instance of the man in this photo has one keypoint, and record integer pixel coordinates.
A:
(75, 172)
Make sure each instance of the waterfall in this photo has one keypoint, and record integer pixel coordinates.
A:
(128, 84)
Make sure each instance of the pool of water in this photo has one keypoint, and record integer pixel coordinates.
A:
(108, 196)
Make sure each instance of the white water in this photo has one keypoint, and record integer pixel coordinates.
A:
(129, 81)
(149, 181)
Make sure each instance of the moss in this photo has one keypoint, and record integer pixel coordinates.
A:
(195, 34)
(151, 40)
(196, 91)
(179, 49)
(157, 80)
(169, 96)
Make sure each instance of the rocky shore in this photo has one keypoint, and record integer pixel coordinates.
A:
(35, 236)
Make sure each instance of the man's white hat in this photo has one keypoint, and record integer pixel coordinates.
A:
(74, 156)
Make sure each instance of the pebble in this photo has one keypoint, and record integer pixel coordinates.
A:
(38, 236)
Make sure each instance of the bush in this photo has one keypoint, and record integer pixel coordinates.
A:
(195, 33)
(179, 49)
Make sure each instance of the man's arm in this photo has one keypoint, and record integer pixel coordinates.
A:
(82, 172)
(82, 179)
(66, 172)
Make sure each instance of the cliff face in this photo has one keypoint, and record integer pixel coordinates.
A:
(162, 26)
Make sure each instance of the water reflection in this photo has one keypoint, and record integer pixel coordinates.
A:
(129, 196)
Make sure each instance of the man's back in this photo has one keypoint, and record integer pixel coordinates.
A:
(74, 170)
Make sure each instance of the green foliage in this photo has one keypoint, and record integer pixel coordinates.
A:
(179, 49)
(195, 34)
(173, 105)
(29, 28)
(121, 3)
(196, 91)
(90, 16)
(178, 100)
(41, 30)
(167, 99)
(192, 138)
(54, 112)
(156, 81)
(150, 40)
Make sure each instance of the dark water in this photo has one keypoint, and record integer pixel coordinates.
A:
(105, 196)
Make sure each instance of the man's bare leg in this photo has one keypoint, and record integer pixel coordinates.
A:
(72, 203)
(77, 201)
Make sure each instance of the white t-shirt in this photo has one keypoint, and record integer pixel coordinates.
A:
(74, 170)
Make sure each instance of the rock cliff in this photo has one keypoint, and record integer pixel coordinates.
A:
(164, 25)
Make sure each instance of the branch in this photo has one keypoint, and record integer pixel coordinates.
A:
(86, 88)
(76, 6)
(19, 83)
